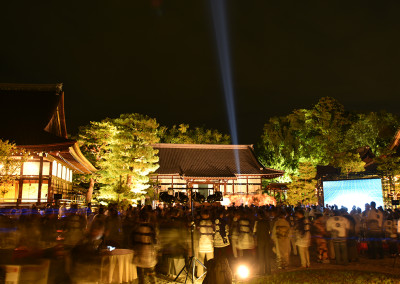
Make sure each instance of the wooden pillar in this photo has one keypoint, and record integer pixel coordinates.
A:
(225, 188)
(233, 186)
(189, 190)
(40, 179)
(50, 184)
(247, 184)
(20, 185)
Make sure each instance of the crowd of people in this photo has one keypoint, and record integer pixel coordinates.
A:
(222, 237)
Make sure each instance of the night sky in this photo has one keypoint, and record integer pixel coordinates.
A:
(160, 58)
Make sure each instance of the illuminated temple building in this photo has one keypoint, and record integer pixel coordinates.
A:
(208, 168)
(32, 117)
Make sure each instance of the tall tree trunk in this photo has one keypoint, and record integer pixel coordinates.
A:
(90, 191)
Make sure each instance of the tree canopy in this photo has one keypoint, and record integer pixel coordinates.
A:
(183, 134)
(121, 150)
(302, 188)
(11, 160)
(325, 134)
(319, 134)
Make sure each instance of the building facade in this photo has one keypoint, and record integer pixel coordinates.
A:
(32, 116)
(207, 168)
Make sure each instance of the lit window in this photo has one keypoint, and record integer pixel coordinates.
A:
(64, 173)
(59, 170)
(54, 171)
(31, 168)
(46, 168)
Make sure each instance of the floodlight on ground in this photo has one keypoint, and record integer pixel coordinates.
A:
(243, 271)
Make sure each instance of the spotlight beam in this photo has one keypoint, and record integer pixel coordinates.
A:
(221, 36)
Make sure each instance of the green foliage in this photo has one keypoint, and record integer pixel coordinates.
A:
(183, 134)
(321, 134)
(348, 162)
(375, 129)
(389, 166)
(302, 188)
(121, 150)
(388, 163)
(11, 160)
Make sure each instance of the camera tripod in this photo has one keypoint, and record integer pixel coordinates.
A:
(190, 267)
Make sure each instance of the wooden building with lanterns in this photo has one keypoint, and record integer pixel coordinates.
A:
(207, 168)
(32, 116)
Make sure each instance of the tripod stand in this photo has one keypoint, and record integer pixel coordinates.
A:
(191, 265)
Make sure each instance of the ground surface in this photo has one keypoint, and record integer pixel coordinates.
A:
(363, 264)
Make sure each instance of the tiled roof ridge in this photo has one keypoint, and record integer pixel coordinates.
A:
(201, 146)
(56, 87)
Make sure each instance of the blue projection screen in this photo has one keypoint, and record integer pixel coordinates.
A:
(353, 192)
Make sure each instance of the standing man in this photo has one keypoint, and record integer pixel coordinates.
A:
(144, 242)
(280, 236)
(338, 226)
(374, 222)
(303, 237)
(206, 241)
(292, 234)
(262, 230)
(319, 226)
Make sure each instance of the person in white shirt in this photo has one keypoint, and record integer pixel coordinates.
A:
(374, 223)
(338, 226)
(280, 236)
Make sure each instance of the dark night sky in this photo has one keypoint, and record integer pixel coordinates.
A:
(130, 56)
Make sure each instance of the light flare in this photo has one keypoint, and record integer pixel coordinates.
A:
(243, 271)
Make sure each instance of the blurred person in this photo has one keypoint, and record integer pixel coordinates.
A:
(280, 236)
(390, 229)
(101, 214)
(352, 238)
(246, 239)
(29, 228)
(292, 233)
(374, 222)
(128, 223)
(235, 233)
(173, 242)
(74, 226)
(85, 255)
(205, 241)
(262, 230)
(338, 227)
(221, 235)
(320, 234)
(113, 232)
(144, 244)
(218, 271)
(303, 237)
(49, 226)
(7, 230)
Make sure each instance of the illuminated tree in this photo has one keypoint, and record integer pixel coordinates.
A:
(183, 134)
(11, 160)
(348, 162)
(302, 188)
(389, 166)
(374, 129)
(321, 134)
(121, 150)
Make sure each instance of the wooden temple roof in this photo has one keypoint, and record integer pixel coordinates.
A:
(32, 116)
(210, 161)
